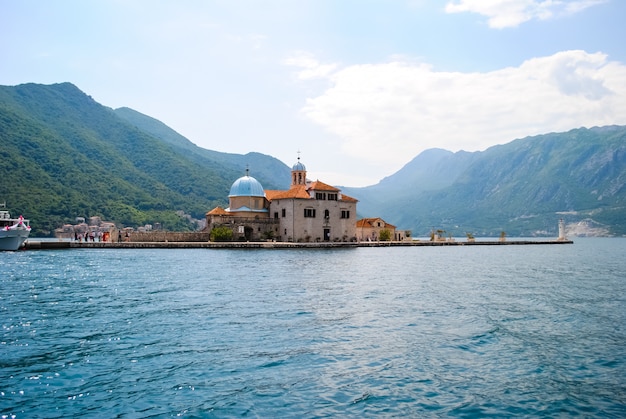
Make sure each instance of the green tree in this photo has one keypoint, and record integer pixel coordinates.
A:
(384, 235)
(221, 234)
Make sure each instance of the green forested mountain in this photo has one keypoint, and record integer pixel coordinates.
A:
(64, 155)
(271, 172)
(522, 187)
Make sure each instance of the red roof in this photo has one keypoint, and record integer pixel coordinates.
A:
(369, 223)
(217, 211)
(297, 191)
(301, 192)
(321, 186)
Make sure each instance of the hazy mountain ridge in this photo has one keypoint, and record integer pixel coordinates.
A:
(522, 187)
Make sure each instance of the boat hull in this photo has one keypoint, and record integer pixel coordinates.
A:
(13, 239)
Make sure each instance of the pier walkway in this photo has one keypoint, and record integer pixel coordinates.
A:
(64, 244)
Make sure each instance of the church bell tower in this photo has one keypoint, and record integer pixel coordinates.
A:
(298, 173)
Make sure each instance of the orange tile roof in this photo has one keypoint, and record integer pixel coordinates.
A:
(369, 222)
(364, 222)
(217, 211)
(297, 191)
(302, 192)
(270, 194)
(321, 186)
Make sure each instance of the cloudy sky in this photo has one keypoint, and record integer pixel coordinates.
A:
(359, 87)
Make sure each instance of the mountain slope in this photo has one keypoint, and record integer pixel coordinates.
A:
(271, 172)
(521, 187)
(431, 170)
(64, 155)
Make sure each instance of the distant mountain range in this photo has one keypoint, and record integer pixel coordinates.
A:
(521, 188)
(63, 155)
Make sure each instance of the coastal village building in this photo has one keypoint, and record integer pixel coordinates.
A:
(368, 229)
(306, 212)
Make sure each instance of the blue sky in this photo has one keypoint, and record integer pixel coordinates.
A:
(359, 87)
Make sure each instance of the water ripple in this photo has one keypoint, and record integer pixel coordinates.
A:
(418, 332)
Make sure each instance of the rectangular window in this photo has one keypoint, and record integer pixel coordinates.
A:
(284, 213)
(345, 213)
(332, 196)
(276, 215)
(309, 213)
(320, 195)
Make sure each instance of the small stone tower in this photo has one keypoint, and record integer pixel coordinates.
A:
(298, 174)
(562, 230)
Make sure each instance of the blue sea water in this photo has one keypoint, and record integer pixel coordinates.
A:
(480, 331)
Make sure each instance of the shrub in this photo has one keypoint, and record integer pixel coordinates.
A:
(221, 234)
(384, 235)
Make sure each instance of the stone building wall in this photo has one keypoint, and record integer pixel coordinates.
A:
(294, 226)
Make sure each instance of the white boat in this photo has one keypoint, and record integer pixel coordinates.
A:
(13, 231)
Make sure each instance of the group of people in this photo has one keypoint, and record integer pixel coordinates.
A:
(92, 236)
(126, 236)
(101, 236)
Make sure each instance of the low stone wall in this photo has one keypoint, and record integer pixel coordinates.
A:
(169, 236)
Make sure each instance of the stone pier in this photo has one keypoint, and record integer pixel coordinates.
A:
(54, 244)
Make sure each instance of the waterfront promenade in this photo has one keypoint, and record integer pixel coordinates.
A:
(64, 244)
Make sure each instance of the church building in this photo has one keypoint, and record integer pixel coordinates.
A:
(306, 212)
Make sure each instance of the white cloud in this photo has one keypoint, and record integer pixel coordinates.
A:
(310, 67)
(511, 13)
(385, 113)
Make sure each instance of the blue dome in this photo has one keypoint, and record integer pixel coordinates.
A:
(246, 186)
(299, 167)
